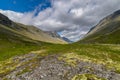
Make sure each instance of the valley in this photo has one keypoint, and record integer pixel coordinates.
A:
(100, 62)
(28, 53)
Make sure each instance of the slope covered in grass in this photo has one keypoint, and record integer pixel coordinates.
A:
(107, 31)
(9, 27)
(11, 43)
(17, 39)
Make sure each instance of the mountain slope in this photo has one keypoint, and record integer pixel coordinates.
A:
(107, 31)
(30, 32)
(18, 39)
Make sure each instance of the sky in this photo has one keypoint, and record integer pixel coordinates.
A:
(70, 18)
(23, 5)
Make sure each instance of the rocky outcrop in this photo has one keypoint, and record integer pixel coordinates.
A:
(5, 20)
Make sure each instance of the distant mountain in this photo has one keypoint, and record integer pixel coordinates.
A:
(67, 40)
(13, 30)
(107, 31)
(53, 34)
(56, 35)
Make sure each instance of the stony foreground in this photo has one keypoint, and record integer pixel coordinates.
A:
(51, 67)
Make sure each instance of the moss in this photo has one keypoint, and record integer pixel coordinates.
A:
(5, 79)
(23, 71)
(11, 64)
(7, 66)
(73, 58)
(70, 59)
(87, 77)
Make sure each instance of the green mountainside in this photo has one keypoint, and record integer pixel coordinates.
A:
(107, 31)
(16, 38)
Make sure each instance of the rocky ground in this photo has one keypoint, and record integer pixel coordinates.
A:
(52, 68)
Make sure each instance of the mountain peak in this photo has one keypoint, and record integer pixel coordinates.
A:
(115, 14)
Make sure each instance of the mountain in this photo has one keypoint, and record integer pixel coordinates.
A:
(53, 34)
(11, 29)
(106, 31)
(56, 35)
(67, 40)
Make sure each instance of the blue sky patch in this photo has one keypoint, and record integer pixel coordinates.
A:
(24, 5)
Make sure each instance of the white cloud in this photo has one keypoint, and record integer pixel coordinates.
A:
(73, 18)
(77, 12)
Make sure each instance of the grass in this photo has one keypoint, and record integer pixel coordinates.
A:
(108, 55)
(8, 49)
(12, 44)
(97, 51)
(90, 52)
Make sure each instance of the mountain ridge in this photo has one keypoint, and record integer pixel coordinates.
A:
(30, 32)
(105, 30)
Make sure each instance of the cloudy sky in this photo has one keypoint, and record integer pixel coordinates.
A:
(70, 18)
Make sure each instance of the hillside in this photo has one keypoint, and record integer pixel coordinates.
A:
(18, 39)
(107, 31)
(30, 32)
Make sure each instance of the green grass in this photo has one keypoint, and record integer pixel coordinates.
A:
(12, 47)
(12, 44)
(108, 55)
(8, 50)
(91, 50)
